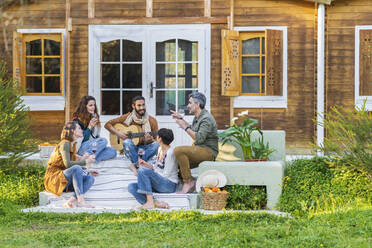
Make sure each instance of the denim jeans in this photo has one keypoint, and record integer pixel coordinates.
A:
(103, 151)
(150, 181)
(131, 150)
(78, 179)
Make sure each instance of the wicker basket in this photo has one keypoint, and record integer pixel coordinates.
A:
(214, 200)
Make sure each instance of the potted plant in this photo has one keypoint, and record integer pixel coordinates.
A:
(241, 134)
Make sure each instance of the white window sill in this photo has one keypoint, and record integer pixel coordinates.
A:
(260, 102)
(360, 101)
(44, 103)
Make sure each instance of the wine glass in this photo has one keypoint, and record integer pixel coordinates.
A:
(141, 152)
(181, 112)
(94, 147)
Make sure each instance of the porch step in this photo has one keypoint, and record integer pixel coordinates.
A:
(110, 191)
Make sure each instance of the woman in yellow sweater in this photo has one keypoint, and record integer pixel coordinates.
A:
(65, 172)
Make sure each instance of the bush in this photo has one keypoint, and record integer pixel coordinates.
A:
(244, 197)
(16, 136)
(319, 184)
(21, 185)
(349, 137)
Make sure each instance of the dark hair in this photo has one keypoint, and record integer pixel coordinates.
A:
(166, 135)
(68, 131)
(136, 98)
(200, 98)
(82, 113)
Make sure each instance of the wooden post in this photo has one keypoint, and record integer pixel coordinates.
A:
(148, 8)
(91, 8)
(207, 8)
(231, 24)
(68, 26)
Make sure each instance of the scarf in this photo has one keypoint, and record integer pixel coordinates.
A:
(144, 121)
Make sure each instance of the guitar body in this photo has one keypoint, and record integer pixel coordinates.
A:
(116, 142)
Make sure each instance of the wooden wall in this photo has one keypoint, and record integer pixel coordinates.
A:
(342, 17)
(298, 16)
(40, 14)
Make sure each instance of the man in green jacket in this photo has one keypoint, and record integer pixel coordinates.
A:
(203, 131)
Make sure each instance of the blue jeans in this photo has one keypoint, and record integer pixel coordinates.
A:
(149, 181)
(131, 150)
(78, 179)
(103, 151)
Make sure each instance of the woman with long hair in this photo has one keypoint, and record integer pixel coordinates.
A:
(65, 172)
(87, 116)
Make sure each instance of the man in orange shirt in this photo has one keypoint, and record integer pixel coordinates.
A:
(140, 118)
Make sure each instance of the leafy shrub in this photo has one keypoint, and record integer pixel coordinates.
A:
(21, 185)
(349, 137)
(15, 133)
(319, 184)
(243, 197)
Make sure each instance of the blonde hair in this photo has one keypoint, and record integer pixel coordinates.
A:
(68, 131)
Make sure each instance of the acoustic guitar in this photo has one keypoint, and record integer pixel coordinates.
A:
(134, 133)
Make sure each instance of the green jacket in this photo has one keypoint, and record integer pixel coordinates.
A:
(206, 132)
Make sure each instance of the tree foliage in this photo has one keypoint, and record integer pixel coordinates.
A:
(16, 137)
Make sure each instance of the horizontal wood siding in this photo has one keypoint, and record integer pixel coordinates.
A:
(40, 14)
(180, 8)
(297, 119)
(48, 125)
(342, 17)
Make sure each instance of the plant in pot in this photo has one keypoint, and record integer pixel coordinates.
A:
(253, 150)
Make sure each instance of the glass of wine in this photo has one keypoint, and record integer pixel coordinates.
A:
(94, 147)
(141, 152)
(181, 112)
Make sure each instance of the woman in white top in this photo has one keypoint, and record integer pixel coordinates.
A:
(161, 176)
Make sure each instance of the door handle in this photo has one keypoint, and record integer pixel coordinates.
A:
(152, 89)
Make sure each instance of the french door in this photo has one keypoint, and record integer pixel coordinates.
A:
(163, 63)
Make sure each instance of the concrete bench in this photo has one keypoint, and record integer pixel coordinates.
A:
(266, 173)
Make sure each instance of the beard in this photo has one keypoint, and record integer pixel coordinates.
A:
(140, 114)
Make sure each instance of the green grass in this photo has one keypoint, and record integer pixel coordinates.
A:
(185, 229)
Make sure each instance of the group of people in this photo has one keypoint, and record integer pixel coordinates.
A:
(81, 145)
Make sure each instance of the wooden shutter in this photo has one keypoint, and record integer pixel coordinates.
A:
(230, 63)
(17, 56)
(274, 62)
(365, 63)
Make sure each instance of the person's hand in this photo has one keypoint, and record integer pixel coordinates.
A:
(145, 164)
(91, 159)
(176, 115)
(123, 135)
(93, 172)
(182, 123)
(148, 138)
(93, 122)
(85, 156)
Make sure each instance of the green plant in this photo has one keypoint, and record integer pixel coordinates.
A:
(252, 149)
(318, 184)
(243, 197)
(16, 137)
(349, 137)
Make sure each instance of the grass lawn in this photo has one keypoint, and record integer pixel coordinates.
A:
(351, 228)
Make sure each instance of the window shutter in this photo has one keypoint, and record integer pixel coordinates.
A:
(230, 63)
(365, 63)
(274, 62)
(17, 56)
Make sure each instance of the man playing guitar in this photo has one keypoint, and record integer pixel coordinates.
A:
(145, 123)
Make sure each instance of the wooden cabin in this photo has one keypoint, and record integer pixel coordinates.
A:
(284, 61)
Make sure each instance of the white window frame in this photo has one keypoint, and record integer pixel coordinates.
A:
(47, 103)
(359, 100)
(266, 101)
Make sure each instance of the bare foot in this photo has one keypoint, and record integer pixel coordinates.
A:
(147, 205)
(133, 168)
(161, 204)
(69, 203)
(187, 188)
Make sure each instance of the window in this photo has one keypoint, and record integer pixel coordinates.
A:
(38, 56)
(363, 66)
(254, 66)
(252, 63)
